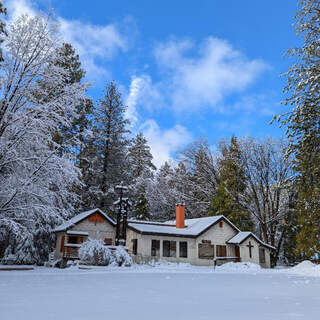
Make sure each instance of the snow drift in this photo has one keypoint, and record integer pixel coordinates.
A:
(306, 268)
(239, 267)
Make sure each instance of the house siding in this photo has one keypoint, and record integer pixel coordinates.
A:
(217, 236)
(245, 255)
(100, 230)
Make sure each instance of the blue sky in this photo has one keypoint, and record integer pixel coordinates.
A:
(187, 69)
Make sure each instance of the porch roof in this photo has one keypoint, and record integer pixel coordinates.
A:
(244, 235)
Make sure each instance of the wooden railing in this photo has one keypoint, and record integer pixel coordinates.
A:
(71, 252)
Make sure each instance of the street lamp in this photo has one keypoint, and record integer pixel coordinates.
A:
(120, 190)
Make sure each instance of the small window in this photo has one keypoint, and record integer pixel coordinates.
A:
(221, 224)
(155, 248)
(206, 251)
(73, 239)
(221, 251)
(169, 248)
(108, 241)
(183, 249)
(262, 255)
(134, 246)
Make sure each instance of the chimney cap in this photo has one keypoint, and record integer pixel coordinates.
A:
(180, 204)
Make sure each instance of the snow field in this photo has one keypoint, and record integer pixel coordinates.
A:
(162, 291)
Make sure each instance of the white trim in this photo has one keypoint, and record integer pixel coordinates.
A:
(72, 245)
(77, 233)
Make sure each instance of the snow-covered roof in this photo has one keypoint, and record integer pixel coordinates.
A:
(194, 227)
(81, 216)
(242, 236)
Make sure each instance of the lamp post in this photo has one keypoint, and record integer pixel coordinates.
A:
(127, 205)
(119, 189)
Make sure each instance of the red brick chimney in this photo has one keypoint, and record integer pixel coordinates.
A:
(180, 215)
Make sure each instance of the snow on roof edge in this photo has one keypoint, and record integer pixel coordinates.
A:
(243, 235)
(79, 217)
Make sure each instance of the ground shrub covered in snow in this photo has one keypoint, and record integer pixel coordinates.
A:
(121, 257)
(95, 253)
(239, 267)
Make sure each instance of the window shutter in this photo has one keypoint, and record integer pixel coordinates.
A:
(62, 244)
(224, 251)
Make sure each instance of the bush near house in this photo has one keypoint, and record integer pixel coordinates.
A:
(95, 253)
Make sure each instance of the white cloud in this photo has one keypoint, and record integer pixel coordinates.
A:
(262, 104)
(92, 42)
(164, 143)
(205, 79)
(142, 92)
(18, 7)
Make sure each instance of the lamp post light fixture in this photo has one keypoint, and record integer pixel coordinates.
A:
(120, 190)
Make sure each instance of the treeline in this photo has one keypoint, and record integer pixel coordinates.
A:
(62, 153)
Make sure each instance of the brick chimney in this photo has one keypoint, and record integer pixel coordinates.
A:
(180, 215)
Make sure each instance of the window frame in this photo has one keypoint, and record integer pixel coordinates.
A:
(107, 241)
(220, 249)
(169, 248)
(206, 246)
(155, 250)
(134, 246)
(262, 258)
(183, 253)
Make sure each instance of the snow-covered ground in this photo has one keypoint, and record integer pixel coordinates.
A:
(162, 291)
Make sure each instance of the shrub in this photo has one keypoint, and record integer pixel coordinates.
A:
(94, 252)
(121, 257)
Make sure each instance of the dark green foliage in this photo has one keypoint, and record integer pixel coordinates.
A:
(140, 158)
(107, 149)
(231, 186)
(302, 121)
(141, 207)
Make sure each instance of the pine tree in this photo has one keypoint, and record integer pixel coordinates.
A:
(231, 186)
(141, 207)
(302, 121)
(107, 149)
(68, 60)
(140, 158)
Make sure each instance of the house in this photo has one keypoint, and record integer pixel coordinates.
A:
(93, 224)
(202, 241)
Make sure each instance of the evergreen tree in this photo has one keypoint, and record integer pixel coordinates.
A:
(231, 186)
(140, 158)
(107, 149)
(141, 207)
(69, 61)
(302, 121)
